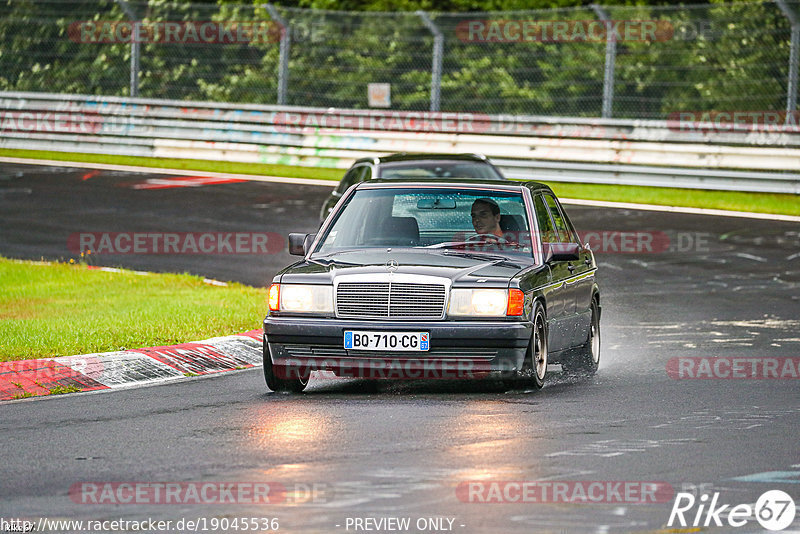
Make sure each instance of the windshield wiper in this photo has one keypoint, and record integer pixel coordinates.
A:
(459, 245)
(453, 244)
(475, 255)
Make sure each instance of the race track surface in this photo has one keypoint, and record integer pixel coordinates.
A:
(711, 287)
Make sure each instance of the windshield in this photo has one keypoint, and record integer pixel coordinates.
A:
(468, 219)
(438, 169)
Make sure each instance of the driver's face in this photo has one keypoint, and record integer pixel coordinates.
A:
(483, 220)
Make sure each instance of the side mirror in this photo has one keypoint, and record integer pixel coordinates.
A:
(562, 252)
(300, 244)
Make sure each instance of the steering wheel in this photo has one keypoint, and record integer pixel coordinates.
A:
(488, 237)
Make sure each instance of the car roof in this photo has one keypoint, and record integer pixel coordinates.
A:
(537, 186)
(419, 156)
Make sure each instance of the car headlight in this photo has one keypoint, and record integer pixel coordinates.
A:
(485, 302)
(301, 298)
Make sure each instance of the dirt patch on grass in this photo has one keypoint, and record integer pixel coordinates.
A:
(24, 308)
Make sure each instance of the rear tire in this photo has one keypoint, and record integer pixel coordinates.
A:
(587, 360)
(273, 376)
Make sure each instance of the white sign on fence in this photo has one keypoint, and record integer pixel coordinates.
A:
(379, 95)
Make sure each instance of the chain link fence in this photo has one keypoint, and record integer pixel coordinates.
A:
(614, 61)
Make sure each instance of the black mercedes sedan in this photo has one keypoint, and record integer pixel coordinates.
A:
(436, 279)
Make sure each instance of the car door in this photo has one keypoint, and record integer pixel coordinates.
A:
(559, 305)
(580, 282)
(584, 283)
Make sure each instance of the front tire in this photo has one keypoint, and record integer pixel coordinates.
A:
(587, 360)
(273, 375)
(534, 370)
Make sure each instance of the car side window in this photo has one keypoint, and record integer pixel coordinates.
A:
(565, 234)
(546, 230)
(352, 176)
(366, 174)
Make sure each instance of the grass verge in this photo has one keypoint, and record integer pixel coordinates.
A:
(261, 169)
(691, 198)
(663, 196)
(59, 309)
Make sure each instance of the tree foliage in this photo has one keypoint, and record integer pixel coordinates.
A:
(720, 56)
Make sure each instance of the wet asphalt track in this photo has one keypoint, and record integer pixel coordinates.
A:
(401, 449)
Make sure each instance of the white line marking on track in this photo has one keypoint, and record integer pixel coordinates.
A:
(750, 257)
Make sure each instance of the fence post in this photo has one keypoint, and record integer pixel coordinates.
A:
(135, 44)
(791, 92)
(285, 46)
(438, 55)
(611, 59)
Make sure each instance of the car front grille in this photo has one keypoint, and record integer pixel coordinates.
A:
(390, 300)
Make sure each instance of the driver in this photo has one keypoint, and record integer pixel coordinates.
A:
(486, 217)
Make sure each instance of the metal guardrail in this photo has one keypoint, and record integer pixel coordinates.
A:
(608, 151)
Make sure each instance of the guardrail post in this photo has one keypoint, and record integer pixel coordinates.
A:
(438, 55)
(135, 44)
(791, 92)
(285, 46)
(611, 59)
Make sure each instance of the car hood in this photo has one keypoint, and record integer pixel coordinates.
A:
(458, 266)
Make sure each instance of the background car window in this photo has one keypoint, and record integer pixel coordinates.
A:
(438, 169)
(546, 229)
(565, 235)
(352, 176)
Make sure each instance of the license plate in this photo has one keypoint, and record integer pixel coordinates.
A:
(398, 341)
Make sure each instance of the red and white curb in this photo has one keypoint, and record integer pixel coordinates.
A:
(110, 370)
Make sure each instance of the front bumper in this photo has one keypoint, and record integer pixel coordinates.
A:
(457, 348)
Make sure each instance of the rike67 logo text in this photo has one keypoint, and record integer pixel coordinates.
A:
(774, 510)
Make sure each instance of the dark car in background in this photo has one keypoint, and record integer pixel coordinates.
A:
(405, 166)
(399, 279)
